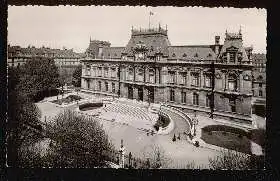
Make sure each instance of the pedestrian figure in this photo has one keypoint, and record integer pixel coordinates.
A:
(178, 137)
(174, 137)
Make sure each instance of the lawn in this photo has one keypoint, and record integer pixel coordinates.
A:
(227, 138)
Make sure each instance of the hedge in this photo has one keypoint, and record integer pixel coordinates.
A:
(226, 129)
(87, 105)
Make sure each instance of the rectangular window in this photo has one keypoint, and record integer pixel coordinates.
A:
(208, 99)
(99, 71)
(171, 77)
(260, 84)
(172, 95)
(99, 85)
(106, 86)
(195, 79)
(113, 72)
(113, 88)
(195, 99)
(106, 72)
(88, 84)
(231, 85)
(88, 71)
(232, 104)
(182, 78)
(207, 80)
(260, 93)
(184, 97)
(232, 57)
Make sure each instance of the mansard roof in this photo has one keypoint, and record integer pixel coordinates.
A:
(191, 52)
(259, 56)
(156, 41)
(233, 41)
(113, 52)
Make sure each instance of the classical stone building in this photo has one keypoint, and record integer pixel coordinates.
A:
(66, 57)
(150, 69)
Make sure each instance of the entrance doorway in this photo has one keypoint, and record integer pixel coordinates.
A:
(151, 95)
(140, 94)
(130, 92)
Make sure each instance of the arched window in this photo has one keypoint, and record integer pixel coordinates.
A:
(232, 82)
(140, 75)
(130, 74)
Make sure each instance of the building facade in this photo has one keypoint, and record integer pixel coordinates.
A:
(67, 57)
(259, 76)
(150, 69)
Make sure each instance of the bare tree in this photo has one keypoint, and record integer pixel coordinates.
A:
(156, 157)
(231, 160)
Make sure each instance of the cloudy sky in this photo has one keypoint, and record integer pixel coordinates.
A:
(72, 26)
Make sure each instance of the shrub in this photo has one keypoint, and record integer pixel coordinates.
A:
(80, 142)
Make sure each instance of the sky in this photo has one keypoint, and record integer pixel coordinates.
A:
(73, 26)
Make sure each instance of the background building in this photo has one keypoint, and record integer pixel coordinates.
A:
(150, 69)
(66, 60)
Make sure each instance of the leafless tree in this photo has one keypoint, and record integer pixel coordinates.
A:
(231, 160)
(156, 156)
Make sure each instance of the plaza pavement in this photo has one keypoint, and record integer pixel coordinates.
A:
(136, 141)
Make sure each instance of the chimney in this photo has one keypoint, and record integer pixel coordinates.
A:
(217, 40)
(217, 44)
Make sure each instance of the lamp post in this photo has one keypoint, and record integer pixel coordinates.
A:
(212, 89)
(122, 152)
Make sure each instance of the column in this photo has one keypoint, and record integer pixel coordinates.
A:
(188, 78)
(201, 80)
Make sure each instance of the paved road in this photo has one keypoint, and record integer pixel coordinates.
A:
(180, 124)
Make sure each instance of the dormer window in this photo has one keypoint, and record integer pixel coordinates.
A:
(209, 55)
(115, 54)
(108, 54)
(195, 55)
(173, 55)
(232, 57)
(184, 55)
